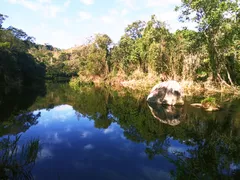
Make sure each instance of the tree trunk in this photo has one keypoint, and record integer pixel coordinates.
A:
(108, 65)
(229, 77)
(213, 63)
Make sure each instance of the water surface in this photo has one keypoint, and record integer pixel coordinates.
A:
(94, 133)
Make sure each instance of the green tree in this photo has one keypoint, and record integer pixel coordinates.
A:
(64, 56)
(104, 42)
(17, 66)
(215, 19)
(153, 45)
(2, 19)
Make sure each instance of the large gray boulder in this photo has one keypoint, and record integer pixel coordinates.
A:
(167, 92)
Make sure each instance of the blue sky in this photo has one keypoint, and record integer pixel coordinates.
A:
(67, 23)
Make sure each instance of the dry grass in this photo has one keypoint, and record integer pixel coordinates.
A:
(142, 83)
(207, 88)
(116, 79)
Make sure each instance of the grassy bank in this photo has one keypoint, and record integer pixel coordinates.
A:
(141, 82)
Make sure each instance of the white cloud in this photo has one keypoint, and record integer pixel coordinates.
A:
(119, 16)
(51, 11)
(12, 1)
(168, 16)
(43, 6)
(129, 3)
(108, 130)
(87, 2)
(84, 15)
(143, 154)
(29, 4)
(63, 108)
(66, 21)
(107, 19)
(126, 22)
(66, 3)
(45, 153)
(88, 147)
(61, 113)
(85, 134)
(154, 3)
(113, 12)
(68, 129)
(124, 12)
(173, 149)
(123, 137)
(56, 138)
(45, 1)
(53, 138)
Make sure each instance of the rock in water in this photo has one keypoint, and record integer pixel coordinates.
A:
(168, 92)
(171, 115)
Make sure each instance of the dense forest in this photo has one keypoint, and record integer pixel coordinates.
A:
(146, 49)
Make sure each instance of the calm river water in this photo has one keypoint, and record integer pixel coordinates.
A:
(56, 132)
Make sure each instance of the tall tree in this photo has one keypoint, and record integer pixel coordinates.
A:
(104, 42)
(154, 40)
(211, 18)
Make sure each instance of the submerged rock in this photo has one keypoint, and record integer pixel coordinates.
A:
(208, 104)
(207, 107)
(168, 92)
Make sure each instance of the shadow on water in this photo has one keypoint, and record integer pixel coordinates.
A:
(209, 142)
(19, 100)
(14, 114)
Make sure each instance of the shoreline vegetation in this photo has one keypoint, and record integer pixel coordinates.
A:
(205, 61)
(144, 83)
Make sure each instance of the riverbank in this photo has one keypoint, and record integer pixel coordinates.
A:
(143, 83)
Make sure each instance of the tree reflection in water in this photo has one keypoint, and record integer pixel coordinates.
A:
(209, 143)
(21, 123)
(211, 140)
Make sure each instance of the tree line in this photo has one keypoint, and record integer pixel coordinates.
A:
(17, 67)
(211, 52)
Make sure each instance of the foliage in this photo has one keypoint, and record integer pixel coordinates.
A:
(218, 23)
(209, 100)
(17, 66)
(16, 162)
(210, 52)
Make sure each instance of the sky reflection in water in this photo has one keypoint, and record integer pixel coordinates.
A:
(97, 134)
(72, 148)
